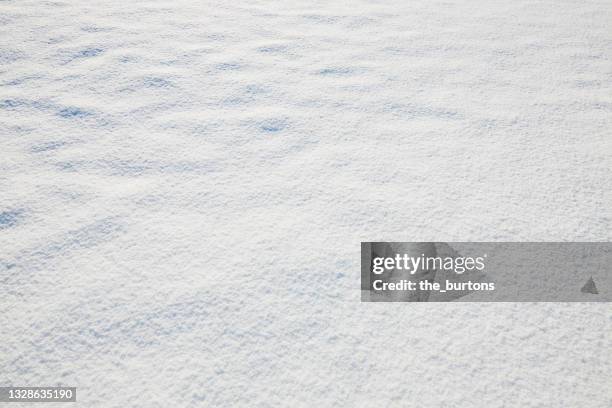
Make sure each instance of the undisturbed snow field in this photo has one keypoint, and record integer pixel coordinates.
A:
(184, 186)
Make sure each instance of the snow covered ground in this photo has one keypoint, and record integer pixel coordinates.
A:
(184, 186)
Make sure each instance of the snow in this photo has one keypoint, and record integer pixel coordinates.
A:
(184, 186)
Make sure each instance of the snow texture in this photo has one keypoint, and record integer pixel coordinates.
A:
(184, 186)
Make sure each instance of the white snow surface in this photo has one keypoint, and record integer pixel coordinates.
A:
(184, 186)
